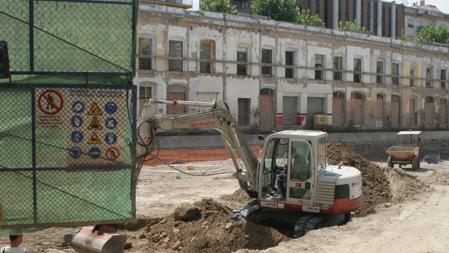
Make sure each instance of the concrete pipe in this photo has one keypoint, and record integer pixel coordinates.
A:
(87, 242)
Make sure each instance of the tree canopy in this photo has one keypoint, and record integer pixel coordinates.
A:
(351, 26)
(223, 6)
(281, 10)
(431, 34)
(285, 10)
(304, 18)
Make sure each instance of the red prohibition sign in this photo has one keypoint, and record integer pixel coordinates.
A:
(112, 153)
(50, 102)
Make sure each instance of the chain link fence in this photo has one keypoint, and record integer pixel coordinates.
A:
(66, 155)
(68, 112)
(69, 38)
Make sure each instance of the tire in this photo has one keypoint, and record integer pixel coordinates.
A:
(390, 162)
(415, 163)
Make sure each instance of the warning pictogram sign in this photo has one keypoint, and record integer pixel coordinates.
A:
(95, 125)
(94, 109)
(112, 154)
(94, 139)
(50, 102)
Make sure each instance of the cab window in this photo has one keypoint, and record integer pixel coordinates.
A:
(300, 161)
(321, 154)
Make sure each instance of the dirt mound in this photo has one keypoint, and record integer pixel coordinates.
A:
(380, 185)
(404, 186)
(239, 196)
(213, 231)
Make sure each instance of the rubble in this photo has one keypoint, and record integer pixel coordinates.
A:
(213, 231)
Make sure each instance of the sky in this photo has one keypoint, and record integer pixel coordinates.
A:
(443, 5)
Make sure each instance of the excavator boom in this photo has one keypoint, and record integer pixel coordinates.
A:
(217, 117)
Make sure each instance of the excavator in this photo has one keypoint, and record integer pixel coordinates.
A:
(294, 188)
(291, 181)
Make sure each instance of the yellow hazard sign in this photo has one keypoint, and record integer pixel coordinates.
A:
(94, 109)
(94, 139)
(95, 124)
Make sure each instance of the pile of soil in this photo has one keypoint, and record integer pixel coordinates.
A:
(239, 196)
(380, 185)
(206, 227)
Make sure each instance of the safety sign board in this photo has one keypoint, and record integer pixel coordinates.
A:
(49, 106)
(112, 154)
(92, 122)
(95, 153)
(77, 137)
(110, 138)
(95, 124)
(50, 102)
(76, 121)
(94, 109)
(97, 119)
(111, 123)
(110, 107)
(94, 139)
(78, 107)
(75, 153)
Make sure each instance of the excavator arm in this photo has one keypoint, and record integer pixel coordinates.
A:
(217, 117)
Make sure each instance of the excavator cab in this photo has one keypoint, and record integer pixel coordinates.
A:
(288, 171)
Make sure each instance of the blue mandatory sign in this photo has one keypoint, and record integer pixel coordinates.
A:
(111, 123)
(94, 153)
(78, 107)
(77, 137)
(75, 153)
(110, 107)
(110, 138)
(77, 121)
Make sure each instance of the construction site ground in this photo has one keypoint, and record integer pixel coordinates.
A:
(409, 213)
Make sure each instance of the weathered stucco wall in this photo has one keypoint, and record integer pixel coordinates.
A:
(365, 105)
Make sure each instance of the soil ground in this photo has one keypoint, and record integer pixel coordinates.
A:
(403, 220)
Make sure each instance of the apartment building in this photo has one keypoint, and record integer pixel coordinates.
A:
(277, 75)
(378, 17)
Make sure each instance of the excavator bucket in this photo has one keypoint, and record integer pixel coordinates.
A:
(87, 242)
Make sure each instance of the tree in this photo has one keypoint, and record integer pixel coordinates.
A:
(351, 26)
(223, 6)
(281, 10)
(304, 18)
(431, 34)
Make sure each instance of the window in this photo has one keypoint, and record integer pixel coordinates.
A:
(267, 62)
(395, 73)
(380, 72)
(338, 68)
(319, 60)
(207, 55)
(443, 79)
(357, 70)
(429, 77)
(242, 61)
(175, 60)
(145, 53)
(412, 75)
(243, 111)
(145, 92)
(289, 62)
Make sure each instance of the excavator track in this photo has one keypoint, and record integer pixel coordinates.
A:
(291, 224)
(307, 223)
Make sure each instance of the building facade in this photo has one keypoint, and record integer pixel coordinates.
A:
(277, 75)
(378, 17)
(421, 15)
